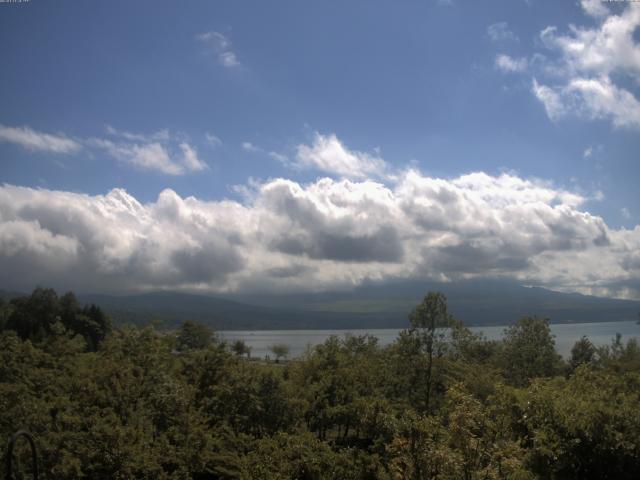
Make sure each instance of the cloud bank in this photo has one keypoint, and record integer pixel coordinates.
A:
(328, 234)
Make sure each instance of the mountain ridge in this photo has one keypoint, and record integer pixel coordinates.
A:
(491, 302)
(385, 305)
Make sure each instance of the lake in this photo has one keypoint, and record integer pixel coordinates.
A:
(566, 334)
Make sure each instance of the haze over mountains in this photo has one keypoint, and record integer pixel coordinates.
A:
(371, 306)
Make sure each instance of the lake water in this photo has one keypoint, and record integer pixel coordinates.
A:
(297, 340)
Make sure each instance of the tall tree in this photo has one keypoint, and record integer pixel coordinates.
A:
(428, 323)
(583, 351)
(529, 351)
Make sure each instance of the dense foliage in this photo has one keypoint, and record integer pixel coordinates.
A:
(439, 403)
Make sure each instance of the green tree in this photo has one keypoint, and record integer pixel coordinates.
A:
(428, 323)
(529, 351)
(36, 316)
(583, 351)
(33, 317)
(5, 313)
(240, 348)
(619, 356)
(193, 336)
(93, 325)
(585, 427)
(280, 350)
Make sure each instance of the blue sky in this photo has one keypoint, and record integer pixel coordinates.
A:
(215, 100)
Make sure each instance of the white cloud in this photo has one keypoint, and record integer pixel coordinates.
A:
(110, 242)
(228, 59)
(552, 100)
(510, 64)
(584, 79)
(160, 151)
(595, 8)
(221, 46)
(331, 233)
(152, 156)
(587, 152)
(600, 98)
(250, 147)
(33, 140)
(190, 159)
(329, 155)
(500, 32)
(625, 213)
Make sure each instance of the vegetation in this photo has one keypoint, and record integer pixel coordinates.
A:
(280, 350)
(439, 403)
(241, 348)
(193, 336)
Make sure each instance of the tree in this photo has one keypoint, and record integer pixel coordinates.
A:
(193, 336)
(428, 321)
(239, 347)
(529, 351)
(32, 317)
(585, 426)
(280, 350)
(5, 313)
(620, 357)
(582, 351)
(90, 322)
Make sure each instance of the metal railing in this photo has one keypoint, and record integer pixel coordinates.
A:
(9, 459)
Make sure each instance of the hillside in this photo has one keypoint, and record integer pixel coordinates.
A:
(371, 306)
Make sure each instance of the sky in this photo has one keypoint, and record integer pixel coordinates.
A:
(288, 146)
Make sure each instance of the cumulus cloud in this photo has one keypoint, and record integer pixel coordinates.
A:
(601, 98)
(589, 72)
(221, 46)
(111, 242)
(327, 154)
(331, 233)
(33, 140)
